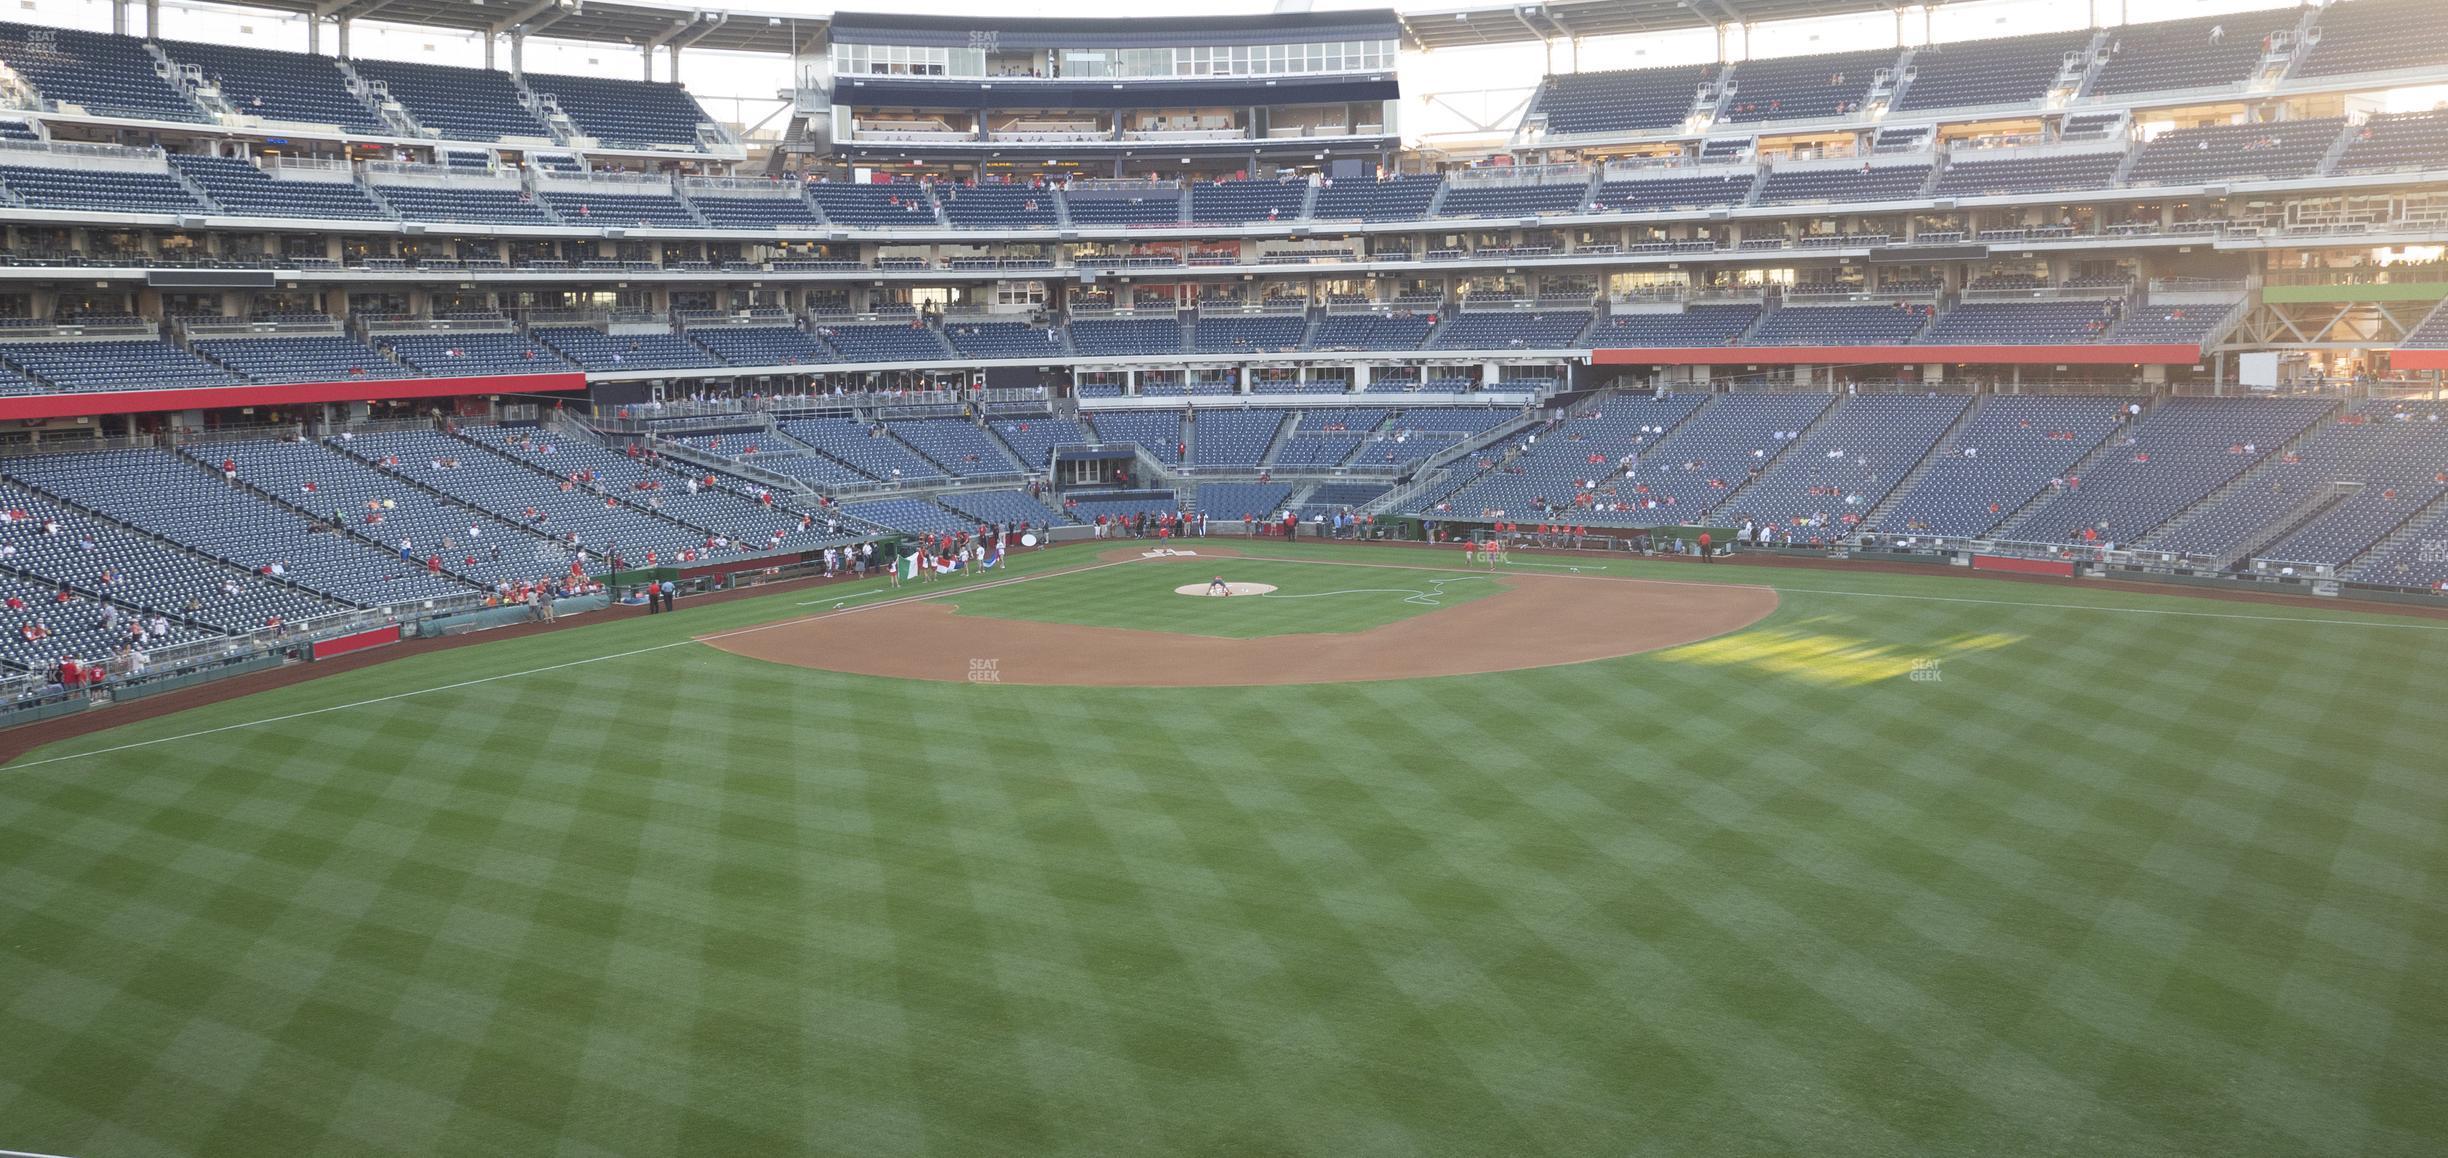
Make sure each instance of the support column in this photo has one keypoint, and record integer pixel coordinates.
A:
(645, 62)
(314, 35)
(675, 64)
(119, 17)
(518, 52)
(488, 52)
(344, 37)
(152, 19)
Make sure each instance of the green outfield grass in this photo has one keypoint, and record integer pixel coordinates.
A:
(1308, 597)
(1918, 865)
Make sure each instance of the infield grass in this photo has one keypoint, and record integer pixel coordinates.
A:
(2118, 875)
(1308, 597)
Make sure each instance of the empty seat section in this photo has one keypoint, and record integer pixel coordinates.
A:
(2403, 141)
(85, 366)
(2268, 151)
(1034, 437)
(1236, 202)
(1627, 101)
(239, 187)
(590, 207)
(2057, 323)
(998, 206)
(1998, 461)
(1663, 194)
(1402, 198)
(904, 342)
(485, 205)
(1853, 183)
(1985, 178)
(1978, 73)
(1840, 469)
(279, 86)
(1400, 331)
(1233, 438)
(1495, 330)
(743, 212)
(458, 104)
(593, 349)
(955, 444)
(1691, 326)
(108, 76)
(108, 190)
(1248, 333)
(305, 358)
(2376, 36)
(2176, 455)
(2346, 485)
(1230, 501)
(763, 345)
(871, 449)
(1160, 431)
(1849, 325)
(1011, 508)
(1002, 340)
(2180, 54)
(1803, 87)
(876, 206)
(1108, 207)
(1478, 199)
(463, 355)
(1555, 473)
(1120, 337)
(538, 487)
(625, 114)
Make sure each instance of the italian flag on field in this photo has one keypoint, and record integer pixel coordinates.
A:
(909, 566)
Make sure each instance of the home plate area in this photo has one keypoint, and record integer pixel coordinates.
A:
(1213, 591)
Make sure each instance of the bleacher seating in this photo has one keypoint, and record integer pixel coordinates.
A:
(1002, 340)
(882, 205)
(593, 349)
(2016, 70)
(871, 449)
(108, 190)
(1690, 326)
(1842, 468)
(456, 104)
(886, 342)
(484, 205)
(1400, 198)
(1803, 87)
(241, 188)
(1625, 101)
(2001, 458)
(625, 114)
(2042, 323)
(107, 76)
(1867, 182)
(1119, 337)
(90, 365)
(2405, 141)
(1510, 330)
(634, 207)
(2414, 561)
(2376, 36)
(1237, 202)
(2230, 152)
(719, 511)
(956, 444)
(2168, 56)
(1981, 176)
(279, 86)
(1849, 325)
(995, 206)
(2176, 455)
(470, 354)
(1247, 333)
(304, 358)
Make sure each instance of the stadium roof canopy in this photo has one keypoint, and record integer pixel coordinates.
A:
(604, 21)
(1512, 23)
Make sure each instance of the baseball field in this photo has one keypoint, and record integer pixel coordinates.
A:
(1577, 856)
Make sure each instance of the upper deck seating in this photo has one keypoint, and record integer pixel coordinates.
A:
(625, 114)
(456, 104)
(1625, 101)
(1818, 87)
(2173, 55)
(2016, 70)
(1236, 202)
(1400, 198)
(2265, 151)
(2376, 36)
(997, 206)
(1505, 330)
(279, 86)
(1690, 326)
(107, 76)
(882, 205)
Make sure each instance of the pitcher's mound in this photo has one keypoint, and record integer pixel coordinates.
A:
(1235, 588)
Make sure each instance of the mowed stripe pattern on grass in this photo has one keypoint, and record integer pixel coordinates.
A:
(2109, 884)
